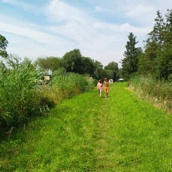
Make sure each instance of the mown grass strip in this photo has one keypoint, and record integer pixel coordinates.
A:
(142, 132)
(87, 133)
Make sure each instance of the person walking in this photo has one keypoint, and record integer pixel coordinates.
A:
(99, 87)
(106, 87)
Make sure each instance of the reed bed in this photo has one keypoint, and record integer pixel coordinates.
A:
(23, 98)
(66, 85)
(20, 99)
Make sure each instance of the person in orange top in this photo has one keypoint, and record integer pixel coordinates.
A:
(106, 87)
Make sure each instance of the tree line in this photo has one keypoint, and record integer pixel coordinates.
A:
(72, 61)
(155, 58)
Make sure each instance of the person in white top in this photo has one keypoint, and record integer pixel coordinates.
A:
(99, 87)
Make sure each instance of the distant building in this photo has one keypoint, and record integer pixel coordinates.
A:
(45, 79)
(120, 79)
(110, 81)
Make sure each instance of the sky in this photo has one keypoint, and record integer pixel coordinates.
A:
(98, 28)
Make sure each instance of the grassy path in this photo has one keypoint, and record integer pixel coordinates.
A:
(90, 134)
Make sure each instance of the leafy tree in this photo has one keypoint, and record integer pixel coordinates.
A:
(49, 63)
(99, 73)
(88, 65)
(168, 28)
(108, 74)
(157, 57)
(164, 65)
(112, 66)
(113, 70)
(157, 34)
(148, 60)
(3, 45)
(165, 56)
(72, 61)
(130, 62)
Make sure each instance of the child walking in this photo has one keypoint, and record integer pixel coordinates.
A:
(106, 87)
(99, 87)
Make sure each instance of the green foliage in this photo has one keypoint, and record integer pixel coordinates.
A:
(148, 60)
(19, 94)
(88, 66)
(130, 62)
(68, 85)
(164, 64)
(157, 57)
(72, 61)
(158, 91)
(108, 74)
(157, 34)
(99, 72)
(49, 63)
(112, 66)
(113, 70)
(3, 45)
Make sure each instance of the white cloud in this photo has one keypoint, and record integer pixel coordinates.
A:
(27, 32)
(66, 27)
(29, 41)
(140, 11)
(8, 1)
(20, 4)
(98, 9)
(59, 11)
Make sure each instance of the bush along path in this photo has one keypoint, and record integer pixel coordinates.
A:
(91, 134)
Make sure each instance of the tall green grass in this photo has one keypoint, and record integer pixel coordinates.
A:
(160, 92)
(67, 85)
(22, 98)
(19, 95)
